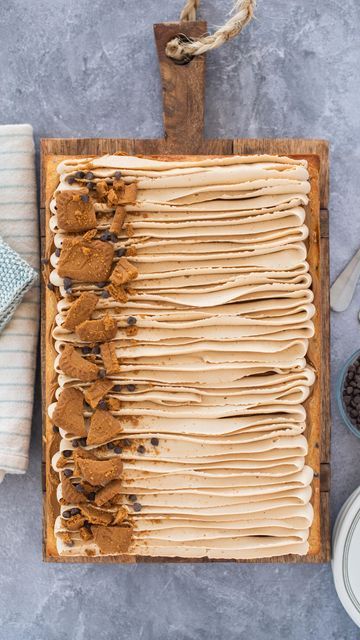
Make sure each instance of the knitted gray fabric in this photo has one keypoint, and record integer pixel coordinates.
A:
(16, 278)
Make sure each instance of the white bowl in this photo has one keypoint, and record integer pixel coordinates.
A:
(346, 556)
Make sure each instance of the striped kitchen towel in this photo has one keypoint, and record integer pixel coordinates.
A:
(18, 340)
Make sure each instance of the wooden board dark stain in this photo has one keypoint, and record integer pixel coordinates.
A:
(183, 98)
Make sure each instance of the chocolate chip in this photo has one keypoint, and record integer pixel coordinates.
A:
(67, 453)
(96, 350)
(79, 175)
(105, 294)
(116, 388)
(91, 496)
(127, 442)
(132, 497)
(101, 285)
(86, 350)
(85, 197)
(55, 429)
(82, 442)
(57, 252)
(141, 449)
(75, 511)
(137, 506)
(154, 442)
(66, 514)
(90, 185)
(113, 237)
(117, 175)
(102, 373)
(45, 261)
(89, 175)
(87, 524)
(67, 283)
(67, 473)
(79, 487)
(103, 405)
(110, 445)
(71, 180)
(118, 450)
(75, 444)
(120, 252)
(50, 286)
(131, 320)
(106, 236)
(87, 406)
(131, 387)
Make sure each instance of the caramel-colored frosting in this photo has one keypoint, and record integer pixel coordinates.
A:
(200, 328)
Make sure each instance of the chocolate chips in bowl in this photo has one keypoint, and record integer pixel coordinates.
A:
(348, 393)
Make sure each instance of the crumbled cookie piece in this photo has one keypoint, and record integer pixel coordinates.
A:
(118, 220)
(69, 492)
(108, 354)
(85, 533)
(75, 210)
(85, 260)
(99, 472)
(74, 523)
(66, 538)
(80, 310)
(121, 515)
(118, 293)
(102, 330)
(75, 366)
(114, 404)
(68, 413)
(123, 272)
(97, 391)
(96, 516)
(128, 194)
(107, 493)
(102, 189)
(103, 427)
(112, 540)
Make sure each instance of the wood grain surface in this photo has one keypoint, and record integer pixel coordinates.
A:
(183, 96)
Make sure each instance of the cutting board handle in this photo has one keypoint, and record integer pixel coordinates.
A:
(183, 87)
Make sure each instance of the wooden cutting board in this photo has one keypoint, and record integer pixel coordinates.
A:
(184, 107)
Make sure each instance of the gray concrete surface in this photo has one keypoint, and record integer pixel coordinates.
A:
(79, 68)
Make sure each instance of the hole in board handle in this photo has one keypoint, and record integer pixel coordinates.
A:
(187, 58)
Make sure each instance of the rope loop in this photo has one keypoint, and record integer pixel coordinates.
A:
(182, 50)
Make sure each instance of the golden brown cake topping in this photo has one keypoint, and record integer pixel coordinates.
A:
(112, 540)
(102, 330)
(99, 472)
(80, 310)
(75, 211)
(103, 427)
(108, 354)
(75, 366)
(118, 220)
(107, 493)
(69, 492)
(85, 260)
(96, 516)
(123, 272)
(97, 391)
(68, 413)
